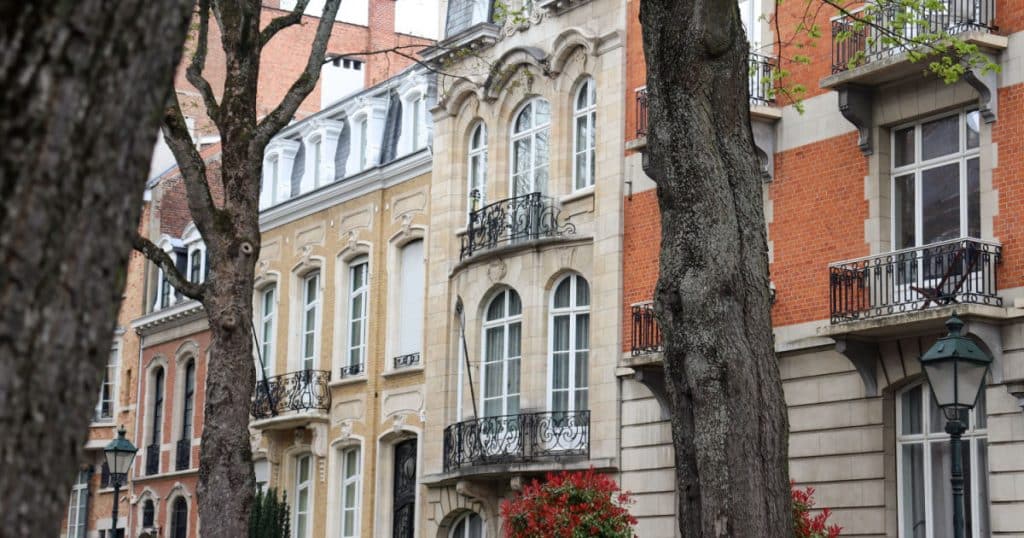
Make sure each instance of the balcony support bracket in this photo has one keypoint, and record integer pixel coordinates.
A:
(654, 379)
(855, 104)
(764, 142)
(988, 89)
(865, 357)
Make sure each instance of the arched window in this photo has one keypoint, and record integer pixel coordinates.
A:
(267, 325)
(584, 125)
(148, 514)
(570, 345)
(477, 188)
(158, 407)
(179, 519)
(469, 526)
(303, 497)
(530, 144)
(310, 320)
(923, 466)
(188, 402)
(350, 478)
(502, 353)
(77, 507)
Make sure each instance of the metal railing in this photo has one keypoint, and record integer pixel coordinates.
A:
(646, 331)
(351, 370)
(407, 360)
(893, 26)
(521, 218)
(760, 81)
(153, 459)
(641, 113)
(183, 455)
(517, 438)
(956, 271)
(296, 391)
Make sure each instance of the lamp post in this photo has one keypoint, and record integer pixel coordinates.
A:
(120, 453)
(955, 367)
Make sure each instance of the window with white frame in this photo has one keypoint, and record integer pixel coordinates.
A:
(750, 17)
(267, 325)
(410, 299)
(477, 188)
(350, 491)
(179, 518)
(317, 153)
(310, 320)
(469, 526)
(188, 400)
(584, 125)
(570, 345)
(78, 520)
(364, 135)
(358, 296)
(935, 180)
(417, 120)
(531, 133)
(503, 321)
(108, 390)
(923, 467)
(197, 266)
(274, 174)
(302, 526)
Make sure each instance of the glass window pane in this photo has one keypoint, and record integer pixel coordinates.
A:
(973, 199)
(942, 499)
(493, 375)
(911, 412)
(903, 205)
(940, 203)
(582, 292)
(562, 293)
(913, 495)
(475, 527)
(350, 495)
(349, 524)
(512, 386)
(560, 400)
(973, 131)
(581, 402)
(980, 412)
(940, 137)
(524, 119)
(582, 369)
(515, 307)
(560, 371)
(560, 333)
(583, 331)
(542, 112)
(351, 463)
(494, 347)
(903, 146)
(541, 153)
(514, 333)
(496, 310)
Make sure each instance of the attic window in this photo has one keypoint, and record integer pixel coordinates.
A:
(356, 65)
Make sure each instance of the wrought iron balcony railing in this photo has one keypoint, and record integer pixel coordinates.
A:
(893, 26)
(183, 455)
(760, 81)
(351, 370)
(304, 390)
(956, 271)
(516, 438)
(646, 332)
(641, 113)
(153, 459)
(521, 218)
(407, 360)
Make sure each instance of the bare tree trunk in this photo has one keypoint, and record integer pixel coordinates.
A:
(82, 83)
(729, 422)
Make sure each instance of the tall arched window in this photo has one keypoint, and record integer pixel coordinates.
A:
(584, 125)
(570, 345)
(183, 453)
(477, 187)
(303, 497)
(310, 320)
(470, 526)
(156, 423)
(148, 514)
(502, 353)
(350, 478)
(179, 519)
(530, 146)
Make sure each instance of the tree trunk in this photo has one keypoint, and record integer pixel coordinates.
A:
(82, 83)
(729, 423)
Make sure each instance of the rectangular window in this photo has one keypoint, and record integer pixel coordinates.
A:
(317, 161)
(77, 506)
(357, 308)
(350, 478)
(417, 122)
(364, 134)
(267, 318)
(195, 271)
(274, 180)
(410, 299)
(310, 320)
(108, 390)
(303, 497)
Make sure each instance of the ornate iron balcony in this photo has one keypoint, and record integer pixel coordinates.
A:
(296, 391)
(522, 218)
(517, 438)
(153, 459)
(641, 113)
(863, 44)
(646, 332)
(407, 360)
(957, 271)
(183, 455)
(760, 79)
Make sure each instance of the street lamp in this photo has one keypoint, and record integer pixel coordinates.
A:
(956, 366)
(120, 453)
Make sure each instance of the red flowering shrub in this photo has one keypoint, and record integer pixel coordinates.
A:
(569, 505)
(806, 526)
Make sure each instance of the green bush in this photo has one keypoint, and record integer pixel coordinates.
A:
(270, 517)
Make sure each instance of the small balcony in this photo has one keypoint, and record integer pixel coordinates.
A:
(520, 219)
(855, 45)
(522, 438)
(646, 333)
(183, 455)
(408, 360)
(960, 271)
(293, 398)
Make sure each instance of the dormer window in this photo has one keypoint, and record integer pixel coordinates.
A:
(198, 266)
(317, 154)
(320, 139)
(366, 118)
(275, 179)
(278, 161)
(414, 131)
(166, 295)
(364, 135)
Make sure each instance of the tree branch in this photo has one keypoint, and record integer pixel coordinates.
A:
(155, 254)
(194, 73)
(193, 169)
(303, 85)
(282, 22)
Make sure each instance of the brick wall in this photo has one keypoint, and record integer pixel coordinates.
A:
(636, 69)
(640, 243)
(1008, 225)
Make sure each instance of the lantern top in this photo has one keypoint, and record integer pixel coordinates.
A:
(955, 346)
(120, 444)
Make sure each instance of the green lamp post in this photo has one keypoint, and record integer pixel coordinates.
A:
(119, 453)
(955, 367)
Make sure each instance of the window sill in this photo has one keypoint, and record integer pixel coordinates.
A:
(396, 372)
(352, 380)
(579, 194)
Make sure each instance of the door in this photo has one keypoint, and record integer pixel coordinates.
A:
(404, 489)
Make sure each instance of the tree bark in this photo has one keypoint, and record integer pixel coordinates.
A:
(729, 423)
(82, 83)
